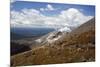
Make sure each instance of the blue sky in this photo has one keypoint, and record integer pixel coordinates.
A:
(49, 15)
(19, 5)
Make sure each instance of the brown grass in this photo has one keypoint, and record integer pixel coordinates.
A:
(49, 55)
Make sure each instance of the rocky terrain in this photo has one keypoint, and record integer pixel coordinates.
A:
(56, 47)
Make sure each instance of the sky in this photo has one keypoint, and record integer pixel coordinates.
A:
(49, 15)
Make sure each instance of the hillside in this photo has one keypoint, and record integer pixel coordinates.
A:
(22, 45)
(75, 46)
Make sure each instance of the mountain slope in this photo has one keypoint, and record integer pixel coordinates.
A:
(75, 46)
(83, 34)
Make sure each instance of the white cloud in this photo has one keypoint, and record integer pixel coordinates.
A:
(74, 17)
(33, 18)
(42, 9)
(48, 8)
(12, 1)
(26, 18)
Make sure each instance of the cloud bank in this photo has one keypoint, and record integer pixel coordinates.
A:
(48, 8)
(33, 18)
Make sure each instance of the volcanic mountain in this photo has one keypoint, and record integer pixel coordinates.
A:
(77, 45)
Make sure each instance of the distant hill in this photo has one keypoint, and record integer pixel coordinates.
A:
(61, 47)
(18, 48)
(15, 36)
(20, 43)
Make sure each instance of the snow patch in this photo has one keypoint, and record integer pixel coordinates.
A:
(53, 37)
(38, 40)
(53, 40)
(65, 29)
